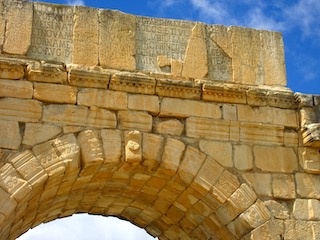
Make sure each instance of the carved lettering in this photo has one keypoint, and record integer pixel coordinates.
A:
(52, 33)
(160, 37)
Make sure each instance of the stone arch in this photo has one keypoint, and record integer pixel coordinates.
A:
(163, 184)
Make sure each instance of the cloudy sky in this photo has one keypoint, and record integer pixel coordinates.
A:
(299, 22)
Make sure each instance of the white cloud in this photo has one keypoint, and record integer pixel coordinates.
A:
(76, 2)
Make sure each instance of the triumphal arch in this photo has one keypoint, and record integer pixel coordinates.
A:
(185, 129)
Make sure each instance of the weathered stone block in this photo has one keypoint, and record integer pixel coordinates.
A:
(18, 27)
(208, 128)
(185, 108)
(91, 152)
(65, 114)
(112, 145)
(133, 144)
(16, 89)
(283, 186)
(275, 159)
(308, 185)
(297, 229)
(47, 72)
(191, 163)
(117, 38)
(89, 78)
(101, 118)
(311, 160)
(219, 151)
(10, 69)
(20, 110)
(170, 127)
(229, 112)
(144, 103)
(279, 210)
(135, 120)
(306, 209)
(86, 36)
(9, 134)
(152, 145)
(243, 157)
(103, 98)
(35, 133)
(260, 182)
(55, 93)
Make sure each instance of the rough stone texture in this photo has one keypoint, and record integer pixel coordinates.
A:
(18, 27)
(243, 157)
(9, 135)
(144, 103)
(16, 89)
(135, 120)
(275, 159)
(86, 36)
(219, 151)
(54, 93)
(306, 209)
(260, 182)
(171, 127)
(308, 185)
(35, 133)
(117, 29)
(283, 186)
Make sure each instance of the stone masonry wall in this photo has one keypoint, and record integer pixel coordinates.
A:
(200, 142)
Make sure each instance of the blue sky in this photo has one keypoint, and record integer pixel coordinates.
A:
(299, 22)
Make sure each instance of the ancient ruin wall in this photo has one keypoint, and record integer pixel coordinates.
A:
(185, 129)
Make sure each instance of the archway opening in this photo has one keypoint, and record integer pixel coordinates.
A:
(85, 226)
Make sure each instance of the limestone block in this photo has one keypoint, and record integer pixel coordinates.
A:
(10, 69)
(103, 98)
(172, 155)
(18, 27)
(65, 114)
(9, 134)
(274, 68)
(311, 160)
(47, 72)
(191, 163)
(29, 167)
(257, 96)
(279, 210)
(281, 99)
(7, 205)
(207, 128)
(283, 186)
(20, 110)
(261, 133)
(35, 133)
(72, 129)
(133, 82)
(311, 135)
(101, 118)
(117, 38)
(152, 145)
(186, 108)
(277, 116)
(89, 78)
(195, 63)
(243, 157)
(260, 182)
(308, 185)
(2, 23)
(225, 186)
(59, 154)
(135, 120)
(275, 159)
(133, 144)
(307, 116)
(17, 89)
(296, 229)
(219, 151)
(208, 174)
(304, 100)
(291, 138)
(92, 154)
(306, 209)
(55, 93)
(13, 183)
(272, 229)
(240, 200)
(170, 127)
(229, 112)
(144, 103)
(227, 93)
(49, 40)
(178, 89)
(112, 145)
(86, 36)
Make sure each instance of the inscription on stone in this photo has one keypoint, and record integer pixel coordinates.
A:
(160, 37)
(52, 33)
